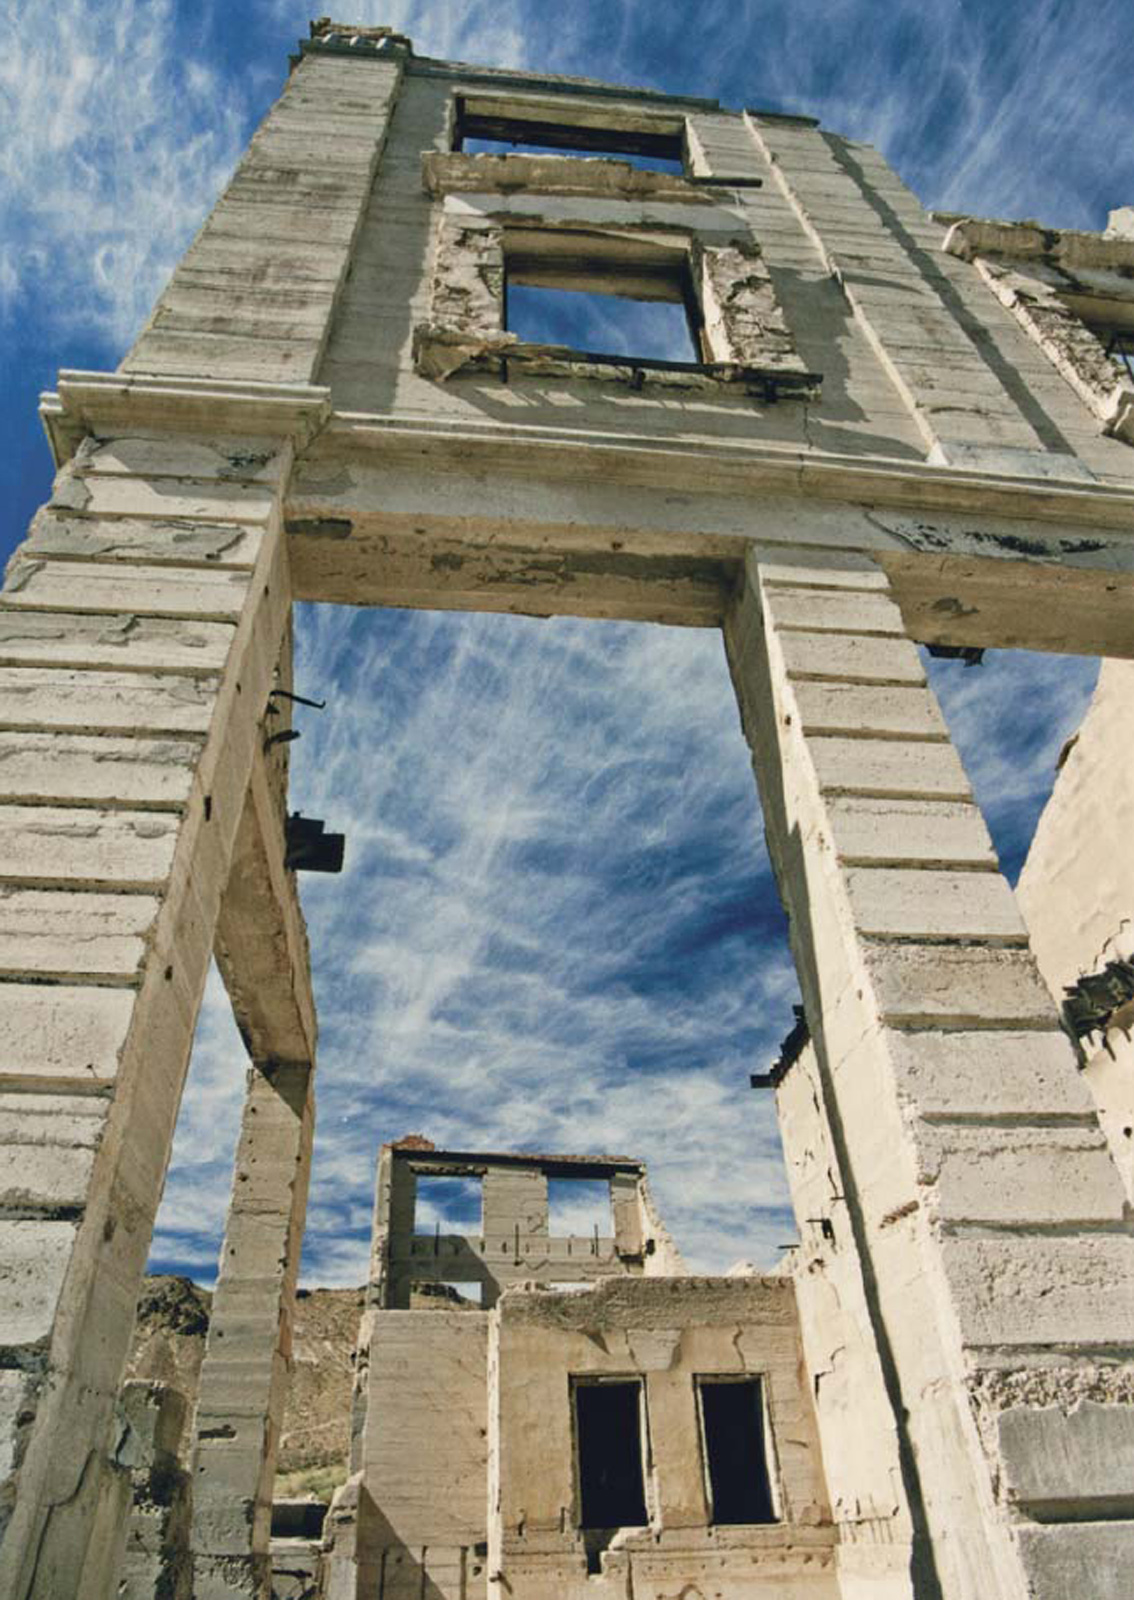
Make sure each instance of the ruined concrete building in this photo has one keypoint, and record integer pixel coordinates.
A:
(892, 427)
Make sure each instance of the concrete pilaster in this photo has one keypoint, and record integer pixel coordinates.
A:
(986, 1209)
(139, 627)
(244, 1376)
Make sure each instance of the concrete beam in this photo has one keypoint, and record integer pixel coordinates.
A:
(261, 940)
(244, 1376)
(475, 522)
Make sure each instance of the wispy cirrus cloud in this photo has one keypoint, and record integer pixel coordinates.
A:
(116, 140)
(533, 948)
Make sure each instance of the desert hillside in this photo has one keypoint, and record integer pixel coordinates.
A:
(169, 1342)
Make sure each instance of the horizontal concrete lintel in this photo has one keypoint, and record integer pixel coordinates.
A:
(369, 524)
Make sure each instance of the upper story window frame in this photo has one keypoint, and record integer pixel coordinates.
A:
(571, 124)
(728, 290)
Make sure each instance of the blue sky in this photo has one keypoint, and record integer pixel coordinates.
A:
(557, 927)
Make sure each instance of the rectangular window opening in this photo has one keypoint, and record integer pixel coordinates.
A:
(492, 131)
(579, 1208)
(616, 309)
(447, 1205)
(734, 1437)
(608, 1437)
(430, 1294)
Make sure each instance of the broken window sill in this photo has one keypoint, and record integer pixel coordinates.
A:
(441, 351)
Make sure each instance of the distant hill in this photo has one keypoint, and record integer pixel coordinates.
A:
(169, 1344)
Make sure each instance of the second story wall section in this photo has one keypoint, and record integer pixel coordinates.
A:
(425, 327)
(466, 1226)
(253, 297)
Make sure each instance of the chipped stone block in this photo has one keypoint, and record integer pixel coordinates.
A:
(34, 1257)
(1076, 1463)
(868, 828)
(1029, 1291)
(61, 1036)
(913, 903)
(1078, 1559)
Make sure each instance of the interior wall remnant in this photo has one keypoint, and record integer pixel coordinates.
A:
(1076, 892)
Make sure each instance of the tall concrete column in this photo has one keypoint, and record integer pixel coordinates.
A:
(247, 1362)
(140, 627)
(988, 1214)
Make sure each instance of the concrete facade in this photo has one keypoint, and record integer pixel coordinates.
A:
(897, 428)
(467, 1464)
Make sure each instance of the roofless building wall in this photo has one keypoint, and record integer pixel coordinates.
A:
(884, 427)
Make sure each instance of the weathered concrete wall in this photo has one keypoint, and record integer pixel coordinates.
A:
(667, 1332)
(247, 1363)
(858, 1429)
(125, 725)
(1077, 890)
(416, 1521)
(991, 1217)
(511, 1241)
(155, 1562)
(254, 294)
(916, 352)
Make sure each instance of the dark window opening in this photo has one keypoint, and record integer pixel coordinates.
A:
(489, 132)
(736, 1457)
(446, 1205)
(579, 1208)
(608, 1432)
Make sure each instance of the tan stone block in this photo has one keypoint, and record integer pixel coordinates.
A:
(821, 611)
(89, 586)
(850, 657)
(865, 709)
(63, 845)
(33, 638)
(869, 829)
(34, 1256)
(97, 771)
(55, 931)
(897, 767)
(62, 1038)
(989, 1073)
(918, 984)
(124, 539)
(924, 903)
(104, 702)
(1026, 1291)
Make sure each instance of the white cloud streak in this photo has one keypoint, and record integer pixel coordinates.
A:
(115, 145)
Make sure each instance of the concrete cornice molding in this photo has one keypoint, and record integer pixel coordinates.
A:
(104, 403)
(727, 468)
(969, 237)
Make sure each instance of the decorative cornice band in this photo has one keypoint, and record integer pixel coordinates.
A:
(105, 403)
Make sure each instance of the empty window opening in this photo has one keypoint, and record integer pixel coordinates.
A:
(447, 1205)
(427, 1294)
(608, 324)
(608, 1433)
(579, 1208)
(491, 131)
(734, 1434)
